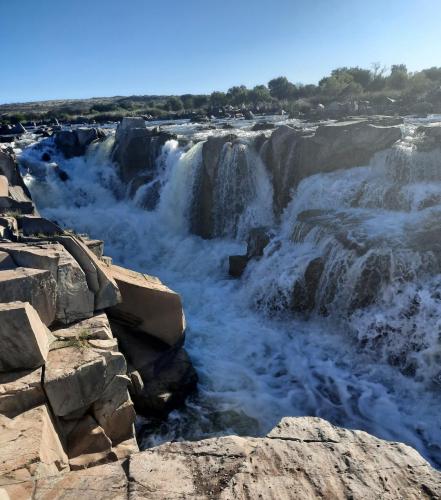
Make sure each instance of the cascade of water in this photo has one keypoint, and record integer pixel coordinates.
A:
(344, 233)
(242, 192)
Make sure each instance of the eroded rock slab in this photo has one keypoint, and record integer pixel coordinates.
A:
(305, 458)
(35, 286)
(23, 337)
(149, 305)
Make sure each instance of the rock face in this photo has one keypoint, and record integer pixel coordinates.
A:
(74, 142)
(35, 286)
(305, 458)
(302, 458)
(292, 154)
(145, 300)
(137, 148)
(203, 205)
(24, 338)
(29, 446)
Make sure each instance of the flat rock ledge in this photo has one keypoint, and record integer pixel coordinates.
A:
(302, 458)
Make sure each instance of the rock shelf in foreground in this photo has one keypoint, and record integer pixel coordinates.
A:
(302, 458)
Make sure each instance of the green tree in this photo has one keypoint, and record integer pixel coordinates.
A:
(340, 84)
(187, 101)
(259, 94)
(200, 100)
(238, 95)
(282, 88)
(174, 104)
(398, 77)
(218, 99)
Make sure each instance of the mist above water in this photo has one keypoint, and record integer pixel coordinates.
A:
(365, 354)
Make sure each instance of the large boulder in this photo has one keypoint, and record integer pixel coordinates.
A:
(167, 389)
(293, 154)
(98, 277)
(305, 458)
(35, 286)
(75, 142)
(148, 305)
(202, 222)
(74, 299)
(136, 148)
(24, 338)
(75, 377)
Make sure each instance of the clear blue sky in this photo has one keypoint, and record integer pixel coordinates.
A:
(83, 48)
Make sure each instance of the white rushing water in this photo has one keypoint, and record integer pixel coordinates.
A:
(257, 363)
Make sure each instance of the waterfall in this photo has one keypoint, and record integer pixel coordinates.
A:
(339, 318)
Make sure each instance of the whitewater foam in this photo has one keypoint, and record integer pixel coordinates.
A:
(254, 367)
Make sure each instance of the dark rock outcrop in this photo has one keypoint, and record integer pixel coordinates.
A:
(75, 142)
(202, 209)
(293, 154)
(136, 148)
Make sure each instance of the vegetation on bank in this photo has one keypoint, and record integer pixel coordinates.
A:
(372, 90)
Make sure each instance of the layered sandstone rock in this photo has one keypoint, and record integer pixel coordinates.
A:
(301, 458)
(24, 338)
(149, 305)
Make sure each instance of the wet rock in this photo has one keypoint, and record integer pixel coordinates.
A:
(429, 136)
(136, 148)
(202, 210)
(291, 155)
(168, 389)
(148, 305)
(75, 142)
(305, 289)
(257, 240)
(263, 126)
(23, 337)
(20, 391)
(237, 265)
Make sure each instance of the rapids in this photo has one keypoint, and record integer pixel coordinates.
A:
(366, 364)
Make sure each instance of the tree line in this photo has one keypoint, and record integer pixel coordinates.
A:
(346, 83)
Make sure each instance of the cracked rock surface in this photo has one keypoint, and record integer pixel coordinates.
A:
(302, 458)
